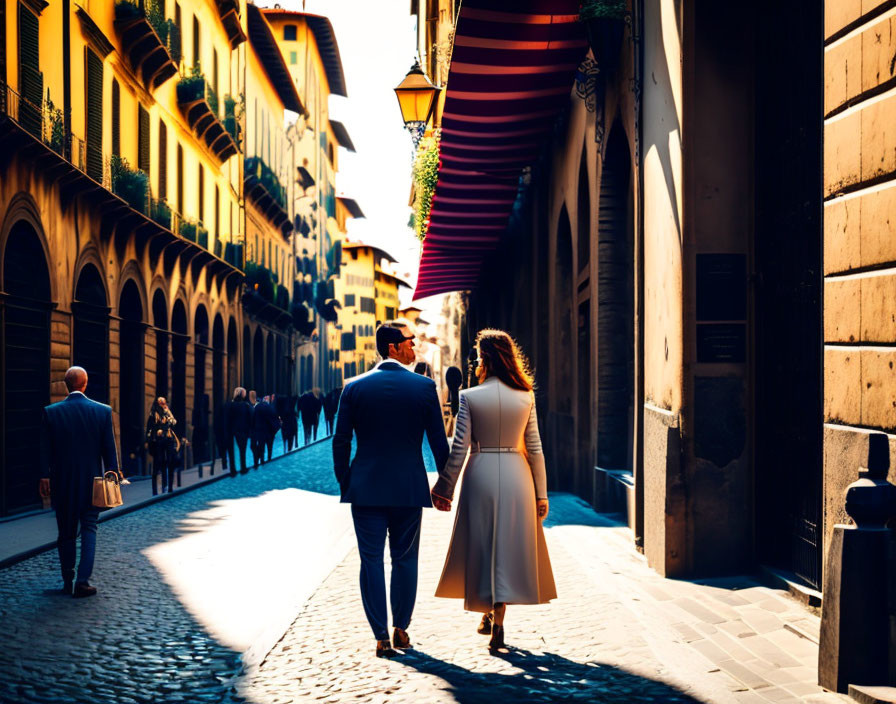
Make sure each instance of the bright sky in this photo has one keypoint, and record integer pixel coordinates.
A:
(377, 43)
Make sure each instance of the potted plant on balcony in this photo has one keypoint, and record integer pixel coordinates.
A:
(604, 22)
(161, 213)
(192, 86)
(131, 185)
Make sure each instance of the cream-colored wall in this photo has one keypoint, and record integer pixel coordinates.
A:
(663, 212)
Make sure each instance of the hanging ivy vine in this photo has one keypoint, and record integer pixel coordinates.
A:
(596, 9)
(426, 171)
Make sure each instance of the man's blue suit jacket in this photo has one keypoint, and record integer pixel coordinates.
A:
(77, 443)
(388, 409)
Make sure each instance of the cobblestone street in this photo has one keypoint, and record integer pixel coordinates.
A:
(197, 592)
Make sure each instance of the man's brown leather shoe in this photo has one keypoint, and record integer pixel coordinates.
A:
(384, 649)
(400, 639)
(83, 589)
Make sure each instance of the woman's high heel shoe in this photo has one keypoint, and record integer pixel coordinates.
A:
(497, 640)
(485, 625)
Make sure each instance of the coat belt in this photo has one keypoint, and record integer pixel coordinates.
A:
(498, 449)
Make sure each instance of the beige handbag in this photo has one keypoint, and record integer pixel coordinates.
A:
(107, 491)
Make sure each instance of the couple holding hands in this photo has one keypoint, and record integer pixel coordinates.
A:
(497, 555)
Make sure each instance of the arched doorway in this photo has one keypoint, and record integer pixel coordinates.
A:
(217, 375)
(131, 392)
(271, 365)
(25, 312)
(247, 381)
(258, 362)
(200, 419)
(309, 371)
(281, 367)
(90, 332)
(233, 356)
(564, 389)
(615, 308)
(160, 322)
(179, 338)
(584, 411)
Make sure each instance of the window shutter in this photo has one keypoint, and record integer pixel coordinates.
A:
(143, 139)
(217, 209)
(116, 118)
(201, 194)
(163, 160)
(94, 135)
(31, 81)
(196, 52)
(180, 179)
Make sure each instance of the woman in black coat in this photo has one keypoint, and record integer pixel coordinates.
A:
(163, 443)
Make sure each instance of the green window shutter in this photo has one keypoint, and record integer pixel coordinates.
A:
(94, 132)
(31, 83)
(163, 160)
(201, 194)
(116, 118)
(180, 179)
(143, 139)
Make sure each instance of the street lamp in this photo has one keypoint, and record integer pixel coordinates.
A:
(416, 96)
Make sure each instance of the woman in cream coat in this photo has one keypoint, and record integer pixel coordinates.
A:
(497, 554)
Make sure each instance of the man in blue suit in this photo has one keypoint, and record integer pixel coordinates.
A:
(77, 443)
(388, 409)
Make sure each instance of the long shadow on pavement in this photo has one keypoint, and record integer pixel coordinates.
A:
(135, 641)
(545, 677)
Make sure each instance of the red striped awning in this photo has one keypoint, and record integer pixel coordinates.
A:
(511, 74)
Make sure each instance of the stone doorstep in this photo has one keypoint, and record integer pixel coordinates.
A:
(864, 694)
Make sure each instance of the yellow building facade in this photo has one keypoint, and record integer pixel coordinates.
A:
(310, 51)
(125, 218)
(270, 264)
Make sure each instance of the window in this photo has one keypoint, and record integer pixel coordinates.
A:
(94, 132)
(289, 33)
(217, 210)
(293, 58)
(196, 52)
(201, 194)
(215, 70)
(163, 161)
(31, 80)
(143, 139)
(349, 299)
(116, 118)
(348, 342)
(180, 179)
(368, 305)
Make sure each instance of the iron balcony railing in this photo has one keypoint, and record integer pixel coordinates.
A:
(45, 123)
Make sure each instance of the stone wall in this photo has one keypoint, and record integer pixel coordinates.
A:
(859, 247)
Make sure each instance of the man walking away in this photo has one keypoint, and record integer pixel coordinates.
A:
(309, 406)
(388, 409)
(77, 444)
(239, 426)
